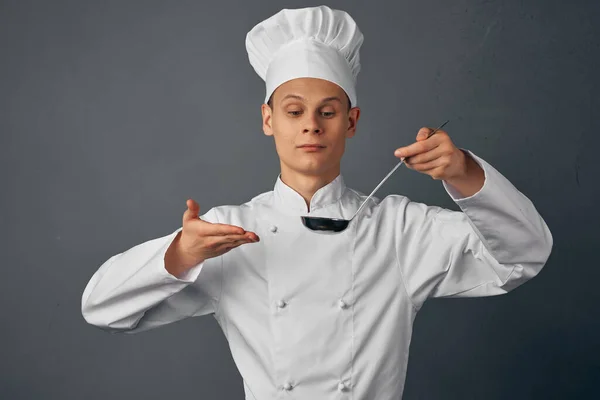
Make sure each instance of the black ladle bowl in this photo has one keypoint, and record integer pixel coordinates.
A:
(325, 224)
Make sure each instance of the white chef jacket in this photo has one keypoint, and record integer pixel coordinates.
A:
(310, 315)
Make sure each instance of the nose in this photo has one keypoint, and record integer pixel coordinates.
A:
(313, 130)
(312, 125)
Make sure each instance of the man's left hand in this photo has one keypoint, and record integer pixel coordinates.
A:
(437, 156)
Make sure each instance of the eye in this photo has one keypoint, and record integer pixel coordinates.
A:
(294, 113)
(327, 114)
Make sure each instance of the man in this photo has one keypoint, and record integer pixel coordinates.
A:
(310, 315)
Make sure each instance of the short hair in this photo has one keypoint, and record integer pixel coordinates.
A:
(270, 102)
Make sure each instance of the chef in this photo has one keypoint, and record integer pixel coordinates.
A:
(310, 314)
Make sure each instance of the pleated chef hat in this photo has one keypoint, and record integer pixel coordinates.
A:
(312, 42)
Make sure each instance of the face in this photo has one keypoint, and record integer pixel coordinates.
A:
(310, 111)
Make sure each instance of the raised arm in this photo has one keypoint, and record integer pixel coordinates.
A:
(139, 290)
(494, 244)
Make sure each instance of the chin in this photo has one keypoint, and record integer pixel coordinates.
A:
(310, 164)
(313, 168)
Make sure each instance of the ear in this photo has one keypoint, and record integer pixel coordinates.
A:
(267, 115)
(353, 116)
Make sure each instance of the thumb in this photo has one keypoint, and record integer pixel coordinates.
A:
(422, 135)
(193, 210)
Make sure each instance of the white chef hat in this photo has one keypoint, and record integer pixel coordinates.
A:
(312, 42)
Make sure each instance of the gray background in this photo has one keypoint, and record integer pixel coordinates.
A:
(113, 113)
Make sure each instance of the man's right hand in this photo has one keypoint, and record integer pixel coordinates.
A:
(200, 240)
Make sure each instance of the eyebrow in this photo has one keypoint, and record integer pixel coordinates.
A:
(298, 97)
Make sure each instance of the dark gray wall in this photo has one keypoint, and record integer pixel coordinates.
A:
(113, 113)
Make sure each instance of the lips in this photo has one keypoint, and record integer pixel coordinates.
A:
(312, 145)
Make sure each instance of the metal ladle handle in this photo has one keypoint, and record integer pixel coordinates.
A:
(391, 172)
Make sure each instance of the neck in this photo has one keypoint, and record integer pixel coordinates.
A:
(307, 185)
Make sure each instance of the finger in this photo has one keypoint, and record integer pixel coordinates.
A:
(426, 132)
(253, 236)
(428, 156)
(423, 133)
(230, 238)
(216, 242)
(416, 148)
(216, 229)
(428, 166)
(193, 210)
(232, 245)
(436, 172)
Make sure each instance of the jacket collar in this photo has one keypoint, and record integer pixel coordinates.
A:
(288, 200)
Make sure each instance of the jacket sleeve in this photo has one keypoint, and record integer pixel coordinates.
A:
(133, 292)
(497, 242)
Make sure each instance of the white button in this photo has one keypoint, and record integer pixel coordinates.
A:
(343, 304)
(273, 229)
(342, 387)
(281, 303)
(287, 386)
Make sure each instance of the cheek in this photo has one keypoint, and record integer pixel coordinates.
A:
(339, 148)
(284, 132)
(285, 144)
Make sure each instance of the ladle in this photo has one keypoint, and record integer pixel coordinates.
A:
(335, 225)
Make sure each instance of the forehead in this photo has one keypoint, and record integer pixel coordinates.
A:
(309, 88)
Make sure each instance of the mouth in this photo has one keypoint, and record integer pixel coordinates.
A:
(311, 148)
